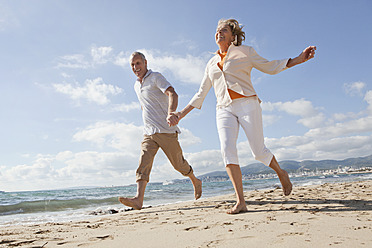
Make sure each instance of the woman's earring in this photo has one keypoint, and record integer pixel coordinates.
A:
(235, 40)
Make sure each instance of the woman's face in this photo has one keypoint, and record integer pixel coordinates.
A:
(224, 35)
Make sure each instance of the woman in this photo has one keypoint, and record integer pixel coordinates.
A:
(237, 102)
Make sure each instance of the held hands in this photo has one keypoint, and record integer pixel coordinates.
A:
(173, 118)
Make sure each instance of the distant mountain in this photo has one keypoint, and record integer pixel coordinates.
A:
(295, 166)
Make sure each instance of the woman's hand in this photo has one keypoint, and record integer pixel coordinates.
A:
(172, 116)
(172, 119)
(307, 53)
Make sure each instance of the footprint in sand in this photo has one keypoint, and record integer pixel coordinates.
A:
(191, 228)
(101, 237)
(290, 234)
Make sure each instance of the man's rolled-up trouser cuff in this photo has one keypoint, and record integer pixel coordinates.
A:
(188, 173)
(140, 177)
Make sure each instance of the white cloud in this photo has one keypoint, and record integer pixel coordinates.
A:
(74, 61)
(311, 117)
(205, 161)
(187, 138)
(289, 141)
(122, 59)
(40, 169)
(101, 55)
(7, 18)
(340, 117)
(346, 138)
(97, 56)
(299, 107)
(269, 120)
(126, 107)
(344, 116)
(93, 91)
(67, 169)
(354, 89)
(185, 43)
(358, 126)
(313, 121)
(368, 99)
(84, 165)
(62, 156)
(120, 136)
(320, 148)
(188, 69)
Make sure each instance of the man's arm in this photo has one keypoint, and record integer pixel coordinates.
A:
(172, 119)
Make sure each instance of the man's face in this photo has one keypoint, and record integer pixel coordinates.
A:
(139, 66)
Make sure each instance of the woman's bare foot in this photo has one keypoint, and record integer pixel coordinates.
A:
(197, 188)
(134, 203)
(283, 176)
(286, 182)
(238, 208)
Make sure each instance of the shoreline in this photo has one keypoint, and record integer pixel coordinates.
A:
(331, 214)
(57, 207)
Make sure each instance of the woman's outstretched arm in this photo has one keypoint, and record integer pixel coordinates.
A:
(307, 53)
(184, 111)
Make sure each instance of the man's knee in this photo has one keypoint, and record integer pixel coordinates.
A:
(141, 176)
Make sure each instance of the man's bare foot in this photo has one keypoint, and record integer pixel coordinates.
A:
(241, 208)
(131, 202)
(286, 182)
(197, 188)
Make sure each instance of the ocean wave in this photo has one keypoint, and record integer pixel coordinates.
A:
(53, 205)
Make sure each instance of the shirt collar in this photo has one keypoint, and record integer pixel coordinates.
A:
(218, 50)
(149, 71)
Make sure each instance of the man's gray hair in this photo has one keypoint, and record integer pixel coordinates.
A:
(137, 53)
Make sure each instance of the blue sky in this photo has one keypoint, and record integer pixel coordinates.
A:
(70, 117)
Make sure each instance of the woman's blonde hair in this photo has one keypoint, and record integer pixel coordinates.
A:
(236, 28)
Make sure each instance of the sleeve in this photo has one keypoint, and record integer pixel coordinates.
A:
(205, 86)
(270, 67)
(162, 83)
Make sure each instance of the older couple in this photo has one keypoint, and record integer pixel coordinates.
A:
(229, 72)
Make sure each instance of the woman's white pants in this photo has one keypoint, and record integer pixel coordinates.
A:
(247, 113)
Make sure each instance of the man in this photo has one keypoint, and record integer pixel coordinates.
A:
(158, 99)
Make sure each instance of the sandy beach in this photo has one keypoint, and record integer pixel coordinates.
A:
(328, 215)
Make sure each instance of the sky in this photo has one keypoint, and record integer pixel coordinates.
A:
(69, 115)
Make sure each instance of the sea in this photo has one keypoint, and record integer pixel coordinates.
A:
(73, 204)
